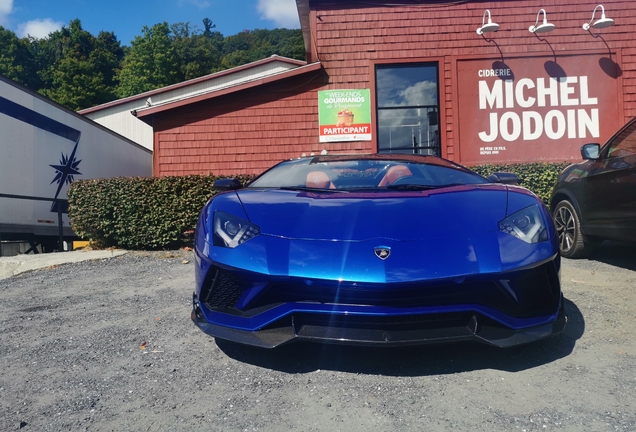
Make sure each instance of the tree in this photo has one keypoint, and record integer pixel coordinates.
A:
(108, 52)
(168, 54)
(208, 25)
(249, 46)
(214, 36)
(197, 53)
(285, 42)
(16, 60)
(79, 70)
(76, 68)
(150, 63)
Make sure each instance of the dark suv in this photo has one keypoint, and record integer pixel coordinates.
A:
(595, 200)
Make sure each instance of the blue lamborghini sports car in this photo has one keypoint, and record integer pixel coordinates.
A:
(376, 250)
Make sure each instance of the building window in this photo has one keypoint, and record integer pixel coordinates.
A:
(408, 108)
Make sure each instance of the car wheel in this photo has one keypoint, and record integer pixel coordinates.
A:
(572, 243)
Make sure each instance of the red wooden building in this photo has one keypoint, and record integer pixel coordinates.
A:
(416, 76)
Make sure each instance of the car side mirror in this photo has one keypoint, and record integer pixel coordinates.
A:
(227, 184)
(504, 178)
(591, 151)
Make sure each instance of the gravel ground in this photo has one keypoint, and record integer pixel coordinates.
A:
(108, 345)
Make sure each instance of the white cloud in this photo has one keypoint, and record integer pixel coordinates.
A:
(283, 12)
(6, 7)
(38, 28)
(201, 4)
(420, 93)
(395, 90)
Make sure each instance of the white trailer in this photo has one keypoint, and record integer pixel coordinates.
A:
(44, 147)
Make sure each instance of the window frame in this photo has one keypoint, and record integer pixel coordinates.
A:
(439, 108)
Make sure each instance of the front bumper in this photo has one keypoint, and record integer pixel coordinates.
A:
(463, 326)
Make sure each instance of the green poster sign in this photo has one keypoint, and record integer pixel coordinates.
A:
(344, 115)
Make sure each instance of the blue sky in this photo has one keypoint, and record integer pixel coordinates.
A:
(127, 17)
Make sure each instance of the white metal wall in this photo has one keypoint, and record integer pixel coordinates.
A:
(120, 119)
(28, 153)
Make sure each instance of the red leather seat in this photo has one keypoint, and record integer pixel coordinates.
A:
(319, 180)
(394, 173)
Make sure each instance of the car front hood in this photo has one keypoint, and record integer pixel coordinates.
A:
(458, 211)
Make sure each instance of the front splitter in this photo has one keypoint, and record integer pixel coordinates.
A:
(475, 331)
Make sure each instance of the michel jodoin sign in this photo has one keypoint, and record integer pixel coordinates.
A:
(534, 109)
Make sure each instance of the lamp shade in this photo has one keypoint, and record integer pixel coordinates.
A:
(489, 26)
(602, 22)
(544, 27)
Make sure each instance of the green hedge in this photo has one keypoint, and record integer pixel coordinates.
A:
(138, 213)
(538, 177)
(154, 213)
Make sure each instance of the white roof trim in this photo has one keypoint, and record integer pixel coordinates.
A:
(233, 83)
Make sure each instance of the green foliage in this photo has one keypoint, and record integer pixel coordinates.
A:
(169, 54)
(138, 213)
(197, 54)
(538, 177)
(16, 60)
(249, 46)
(79, 70)
(150, 63)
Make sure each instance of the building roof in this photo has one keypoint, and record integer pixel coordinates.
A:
(303, 14)
(177, 91)
(152, 109)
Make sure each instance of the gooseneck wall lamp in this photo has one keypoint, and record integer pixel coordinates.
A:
(488, 26)
(603, 22)
(544, 27)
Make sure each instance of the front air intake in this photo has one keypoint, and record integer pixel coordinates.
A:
(221, 289)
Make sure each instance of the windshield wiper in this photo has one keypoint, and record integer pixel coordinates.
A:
(411, 187)
(310, 189)
(414, 186)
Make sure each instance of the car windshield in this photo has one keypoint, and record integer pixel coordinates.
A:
(348, 173)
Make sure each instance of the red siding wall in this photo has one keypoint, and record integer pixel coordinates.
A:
(248, 132)
(349, 41)
(242, 133)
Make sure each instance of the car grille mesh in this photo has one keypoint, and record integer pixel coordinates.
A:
(222, 289)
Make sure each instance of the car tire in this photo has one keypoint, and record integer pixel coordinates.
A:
(572, 242)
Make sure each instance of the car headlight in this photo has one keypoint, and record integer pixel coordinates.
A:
(527, 225)
(231, 231)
